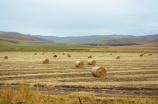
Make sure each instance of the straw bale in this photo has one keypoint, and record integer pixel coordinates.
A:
(117, 57)
(45, 61)
(89, 56)
(141, 54)
(150, 54)
(110, 53)
(91, 62)
(79, 64)
(55, 56)
(35, 54)
(63, 53)
(98, 71)
(5, 57)
(69, 56)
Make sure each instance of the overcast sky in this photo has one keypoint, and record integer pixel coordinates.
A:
(79, 17)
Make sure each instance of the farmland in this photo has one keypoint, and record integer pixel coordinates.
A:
(131, 75)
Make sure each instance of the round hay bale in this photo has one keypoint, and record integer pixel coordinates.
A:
(53, 53)
(79, 64)
(89, 56)
(5, 57)
(150, 54)
(91, 62)
(35, 54)
(55, 56)
(117, 57)
(98, 71)
(45, 61)
(69, 56)
(63, 53)
(110, 53)
(141, 54)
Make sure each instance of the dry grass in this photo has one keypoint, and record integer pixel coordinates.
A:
(130, 71)
(130, 64)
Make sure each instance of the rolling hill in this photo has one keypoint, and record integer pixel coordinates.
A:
(2, 32)
(120, 42)
(83, 39)
(15, 37)
(95, 38)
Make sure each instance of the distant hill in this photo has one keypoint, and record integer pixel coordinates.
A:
(13, 36)
(9, 40)
(120, 42)
(95, 38)
(153, 41)
(73, 39)
(83, 39)
(2, 32)
(148, 37)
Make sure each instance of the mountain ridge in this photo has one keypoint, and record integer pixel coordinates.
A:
(95, 38)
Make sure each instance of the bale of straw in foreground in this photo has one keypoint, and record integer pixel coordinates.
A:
(45, 61)
(79, 64)
(117, 57)
(5, 57)
(91, 62)
(98, 71)
(55, 56)
(89, 56)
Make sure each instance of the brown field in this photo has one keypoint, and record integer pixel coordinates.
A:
(131, 75)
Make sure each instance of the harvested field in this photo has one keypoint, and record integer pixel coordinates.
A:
(131, 75)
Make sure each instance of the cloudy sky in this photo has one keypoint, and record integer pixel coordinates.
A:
(79, 17)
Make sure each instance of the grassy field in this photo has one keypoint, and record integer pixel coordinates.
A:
(130, 76)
